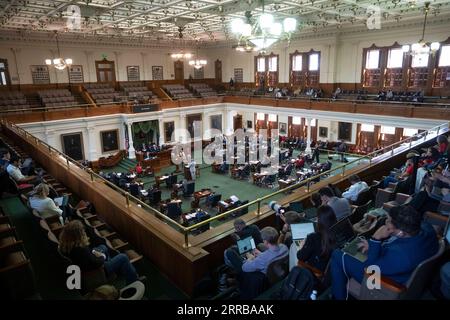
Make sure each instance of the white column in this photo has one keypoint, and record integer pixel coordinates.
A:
(117, 55)
(206, 124)
(92, 145)
(308, 135)
(229, 130)
(182, 138)
(144, 69)
(88, 64)
(131, 150)
(161, 131)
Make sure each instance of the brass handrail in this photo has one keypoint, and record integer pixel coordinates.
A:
(258, 201)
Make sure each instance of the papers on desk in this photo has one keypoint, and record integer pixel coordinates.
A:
(144, 193)
(223, 203)
(234, 199)
(61, 201)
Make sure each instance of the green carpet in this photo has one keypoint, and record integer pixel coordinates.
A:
(49, 269)
(222, 184)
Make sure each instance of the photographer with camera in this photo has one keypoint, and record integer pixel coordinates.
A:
(287, 218)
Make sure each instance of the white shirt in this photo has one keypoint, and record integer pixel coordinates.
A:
(45, 206)
(15, 173)
(354, 190)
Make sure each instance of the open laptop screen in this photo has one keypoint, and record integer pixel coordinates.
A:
(301, 230)
(246, 245)
(343, 231)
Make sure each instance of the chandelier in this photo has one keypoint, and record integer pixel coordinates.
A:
(181, 55)
(422, 48)
(261, 33)
(59, 63)
(198, 63)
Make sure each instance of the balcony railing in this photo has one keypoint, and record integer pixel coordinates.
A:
(368, 160)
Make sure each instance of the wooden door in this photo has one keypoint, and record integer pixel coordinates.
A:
(237, 122)
(218, 71)
(179, 70)
(106, 71)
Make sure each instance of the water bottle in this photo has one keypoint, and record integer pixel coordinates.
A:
(314, 295)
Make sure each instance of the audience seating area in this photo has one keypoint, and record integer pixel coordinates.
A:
(177, 91)
(202, 90)
(56, 98)
(102, 92)
(14, 100)
(136, 90)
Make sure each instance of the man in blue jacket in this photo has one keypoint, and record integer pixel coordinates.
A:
(397, 248)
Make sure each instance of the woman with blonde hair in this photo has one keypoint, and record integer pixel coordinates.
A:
(74, 243)
(41, 202)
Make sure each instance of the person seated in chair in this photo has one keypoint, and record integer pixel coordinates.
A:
(290, 217)
(15, 173)
(258, 261)
(180, 186)
(74, 243)
(357, 186)
(5, 158)
(397, 248)
(44, 205)
(340, 206)
(316, 249)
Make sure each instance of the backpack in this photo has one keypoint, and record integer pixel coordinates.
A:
(298, 285)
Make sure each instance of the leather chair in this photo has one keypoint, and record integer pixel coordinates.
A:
(173, 210)
(17, 279)
(400, 199)
(277, 270)
(390, 290)
(363, 197)
(358, 212)
(190, 188)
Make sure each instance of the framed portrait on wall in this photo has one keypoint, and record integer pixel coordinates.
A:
(169, 128)
(282, 127)
(249, 124)
(72, 144)
(216, 122)
(345, 131)
(323, 132)
(157, 73)
(110, 140)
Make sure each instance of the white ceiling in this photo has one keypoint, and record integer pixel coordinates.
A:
(200, 20)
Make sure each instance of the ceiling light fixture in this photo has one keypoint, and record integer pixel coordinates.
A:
(59, 63)
(262, 32)
(420, 48)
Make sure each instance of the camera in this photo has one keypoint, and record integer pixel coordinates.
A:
(277, 208)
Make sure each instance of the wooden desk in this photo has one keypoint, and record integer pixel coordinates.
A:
(161, 160)
(199, 195)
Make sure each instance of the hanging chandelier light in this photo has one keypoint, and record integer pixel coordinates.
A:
(420, 48)
(198, 63)
(59, 63)
(262, 32)
(181, 55)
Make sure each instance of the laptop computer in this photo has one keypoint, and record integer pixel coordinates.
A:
(27, 162)
(246, 245)
(300, 231)
(343, 231)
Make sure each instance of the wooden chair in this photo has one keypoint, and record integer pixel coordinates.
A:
(16, 273)
(390, 290)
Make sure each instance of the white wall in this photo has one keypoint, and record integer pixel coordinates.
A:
(340, 60)
(90, 128)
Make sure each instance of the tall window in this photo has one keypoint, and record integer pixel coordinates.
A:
(314, 62)
(367, 127)
(273, 64)
(442, 74)
(4, 79)
(420, 60)
(387, 130)
(373, 59)
(297, 62)
(444, 59)
(261, 62)
(395, 58)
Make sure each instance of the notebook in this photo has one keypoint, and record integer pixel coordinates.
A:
(300, 231)
(61, 201)
(351, 248)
